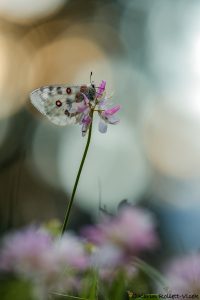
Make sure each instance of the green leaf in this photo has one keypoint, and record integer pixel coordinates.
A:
(94, 288)
(60, 295)
(90, 286)
(150, 271)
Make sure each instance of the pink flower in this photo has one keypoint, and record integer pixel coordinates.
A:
(50, 264)
(183, 274)
(108, 259)
(100, 104)
(118, 239)
(69, 251)
(23, 251)
(106, 256)
(132, 231)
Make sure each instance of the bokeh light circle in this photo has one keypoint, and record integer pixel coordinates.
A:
(45, 145)
(24, 11)
(114, 161)
(13, 75)
(170, 139)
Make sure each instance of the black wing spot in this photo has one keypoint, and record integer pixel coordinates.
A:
(59, 90)
(67, 113)
(69, 102)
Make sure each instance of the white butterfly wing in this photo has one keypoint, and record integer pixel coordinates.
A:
(58, 103)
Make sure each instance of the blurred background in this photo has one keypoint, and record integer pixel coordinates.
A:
(149, 54)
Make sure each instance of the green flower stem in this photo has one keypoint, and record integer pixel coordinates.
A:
(77, 178)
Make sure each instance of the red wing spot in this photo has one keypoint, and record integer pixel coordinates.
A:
(69, 90)
(58, 103)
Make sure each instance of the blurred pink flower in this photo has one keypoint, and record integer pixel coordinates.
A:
(106, 256)
(50, 264)
(69, 251)
(108, 259)
(183, 274)
(132, 231)
(23, 251)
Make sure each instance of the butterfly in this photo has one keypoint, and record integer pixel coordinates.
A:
(59, 102)
(64, 105)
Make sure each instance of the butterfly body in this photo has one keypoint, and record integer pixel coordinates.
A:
(59, 102)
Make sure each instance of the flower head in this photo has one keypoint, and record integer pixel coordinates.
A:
(132, 231)
(24, 251)
(50, 264)
(118, 239)
(99, 104)
(183, 274)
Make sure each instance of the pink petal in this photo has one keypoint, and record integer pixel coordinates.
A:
(111, 111)
(83, 105)
(86, 120)
(101, 88)
(86, 100)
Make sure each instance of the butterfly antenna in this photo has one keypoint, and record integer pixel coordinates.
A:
(91, 82)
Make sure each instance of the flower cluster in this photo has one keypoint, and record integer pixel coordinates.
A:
(121, 238)
(50, 264)
(61, 264)
(101, 105)
(183, 274)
